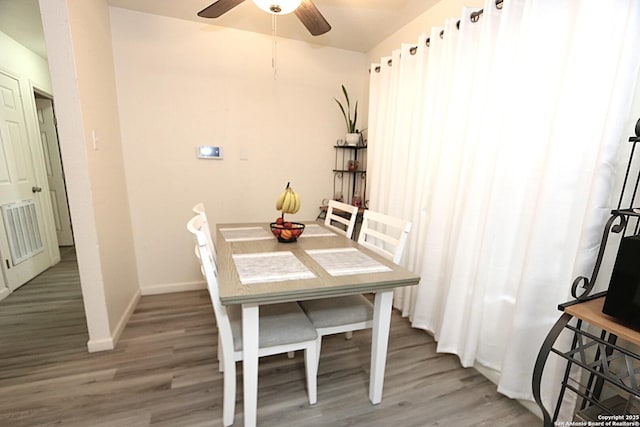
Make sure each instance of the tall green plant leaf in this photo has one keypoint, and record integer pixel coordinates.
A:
(346, 112)
(355, 119)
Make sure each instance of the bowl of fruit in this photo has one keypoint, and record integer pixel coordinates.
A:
(285, 231)
(288, 203)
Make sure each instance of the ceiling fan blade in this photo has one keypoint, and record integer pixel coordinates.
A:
(218, 8)
(311, 18)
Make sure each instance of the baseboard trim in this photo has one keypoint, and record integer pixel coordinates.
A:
(168, 288)
(122, 323)
(5, 292)
(107, 344)
(494, 376)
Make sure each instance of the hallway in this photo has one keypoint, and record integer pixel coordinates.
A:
(45, 314)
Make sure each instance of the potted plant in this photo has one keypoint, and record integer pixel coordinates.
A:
(353, 134)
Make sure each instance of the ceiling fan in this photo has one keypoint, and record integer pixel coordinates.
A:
(305, 10)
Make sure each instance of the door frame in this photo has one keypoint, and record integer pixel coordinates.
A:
(38, 93)
(46, 207)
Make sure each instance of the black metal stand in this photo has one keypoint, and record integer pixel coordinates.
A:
(345, 178)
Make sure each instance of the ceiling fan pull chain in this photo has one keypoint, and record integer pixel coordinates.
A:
(274, 30)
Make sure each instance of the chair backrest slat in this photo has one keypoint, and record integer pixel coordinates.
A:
(197, 226)
(348, 221)
(199, 209)
(384, 234)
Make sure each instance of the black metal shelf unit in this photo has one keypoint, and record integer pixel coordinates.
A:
(350, 173)
(594, 353)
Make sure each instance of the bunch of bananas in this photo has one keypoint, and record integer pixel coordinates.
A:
(288, 201)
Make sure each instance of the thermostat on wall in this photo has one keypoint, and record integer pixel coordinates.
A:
(209, 152)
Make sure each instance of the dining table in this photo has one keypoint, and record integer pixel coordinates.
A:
(254, 269)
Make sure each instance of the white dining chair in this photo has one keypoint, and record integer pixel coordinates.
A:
(283, 327)
(341, 213)
(199, 209)
(384, 234)
(355, 312)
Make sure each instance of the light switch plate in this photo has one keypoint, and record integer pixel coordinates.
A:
(209, 152)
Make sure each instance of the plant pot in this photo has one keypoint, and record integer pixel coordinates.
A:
(352, 138)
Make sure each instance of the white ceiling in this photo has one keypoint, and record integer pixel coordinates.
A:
(357, 25)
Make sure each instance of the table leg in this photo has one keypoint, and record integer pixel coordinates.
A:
(250, 324)
(379, 343)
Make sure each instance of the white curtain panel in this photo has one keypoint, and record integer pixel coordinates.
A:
(499, 141)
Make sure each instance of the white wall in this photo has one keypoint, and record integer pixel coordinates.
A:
(18, 60)
(81, 62)
(181, 84)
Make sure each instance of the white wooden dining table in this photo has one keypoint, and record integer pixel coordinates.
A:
(255, 269)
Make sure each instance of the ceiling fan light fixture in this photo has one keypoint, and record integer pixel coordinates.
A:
(278, 7)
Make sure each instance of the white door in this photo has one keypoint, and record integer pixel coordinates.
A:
(55, 173)
(22, 259)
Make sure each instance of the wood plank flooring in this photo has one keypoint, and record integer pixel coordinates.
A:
(164, 371)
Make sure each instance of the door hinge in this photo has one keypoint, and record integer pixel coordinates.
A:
(7, 261)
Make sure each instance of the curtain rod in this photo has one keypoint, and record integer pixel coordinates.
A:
(474, 17)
